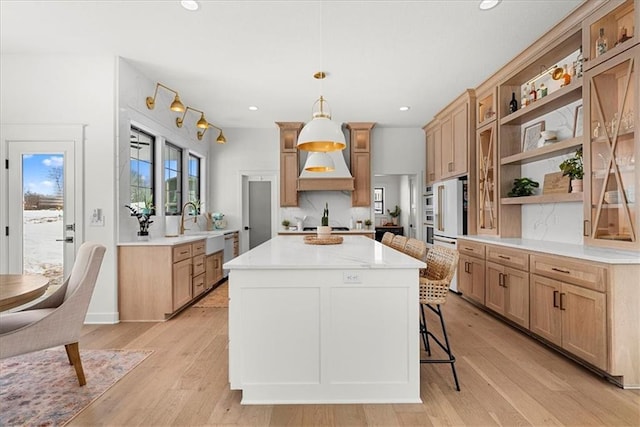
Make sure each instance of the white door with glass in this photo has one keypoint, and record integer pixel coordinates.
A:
(43, 232)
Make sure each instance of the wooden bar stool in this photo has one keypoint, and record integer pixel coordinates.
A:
(434, 289)
(387, 238)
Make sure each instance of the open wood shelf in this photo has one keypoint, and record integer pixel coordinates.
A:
(545, 198)
(549, 103)
(548, 151)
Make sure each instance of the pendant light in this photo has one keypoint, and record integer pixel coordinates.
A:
(319, 162)
(321, 134)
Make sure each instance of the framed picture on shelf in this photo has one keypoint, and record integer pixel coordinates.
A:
(577, 122)
(531, 136)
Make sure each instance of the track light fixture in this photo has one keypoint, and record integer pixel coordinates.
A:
(220, 139)
(200, 124)
(176, 105)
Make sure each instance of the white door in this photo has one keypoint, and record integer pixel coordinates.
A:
(412, 207)
(41, 215)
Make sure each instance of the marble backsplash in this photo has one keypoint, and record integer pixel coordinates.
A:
(312, 203)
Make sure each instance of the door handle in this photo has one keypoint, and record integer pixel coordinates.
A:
(66, 240)
(247, 228)
(555, 301)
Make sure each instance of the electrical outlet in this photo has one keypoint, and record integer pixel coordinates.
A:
(351, 277)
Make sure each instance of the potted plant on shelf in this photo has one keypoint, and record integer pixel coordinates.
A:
(285, 224)
(367, 223)
(394, 215)
(523, 187)
(574, 168)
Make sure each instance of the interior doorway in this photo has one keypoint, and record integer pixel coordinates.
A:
(259, 201)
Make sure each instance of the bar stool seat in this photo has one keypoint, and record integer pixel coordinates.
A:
(434, 289)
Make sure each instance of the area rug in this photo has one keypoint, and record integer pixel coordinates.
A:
(41, 388)
(217, 298)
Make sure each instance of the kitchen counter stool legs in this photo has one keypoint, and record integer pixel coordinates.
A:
(434, 289)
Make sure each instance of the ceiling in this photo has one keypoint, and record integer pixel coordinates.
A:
(379, 55)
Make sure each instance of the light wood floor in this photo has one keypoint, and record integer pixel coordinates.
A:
(506, 377)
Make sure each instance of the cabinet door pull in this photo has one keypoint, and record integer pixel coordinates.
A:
(585, 228)
(501, 280)
(470, 266)
(504, 257)
(555, 298)
(468, 249)
(562, 301)
(560, 270)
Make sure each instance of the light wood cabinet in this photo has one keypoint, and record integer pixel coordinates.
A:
(587, 309)
(456, 137)
(360, 142)
(486, 108)
(471, 278)
(289, 162)
(612, 181)
(614, 17)
(507, 292)
(155, 282)
(214, 269)
(571, 317)
(432, 173)
(486, 183)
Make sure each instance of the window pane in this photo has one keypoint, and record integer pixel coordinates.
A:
(378, 203)
(141, 169)
(194, 178)
(172, 179)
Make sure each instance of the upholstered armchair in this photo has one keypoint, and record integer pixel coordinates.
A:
(57, 319)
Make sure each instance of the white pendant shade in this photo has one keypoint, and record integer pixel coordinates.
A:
(319, 162)
(321, 134)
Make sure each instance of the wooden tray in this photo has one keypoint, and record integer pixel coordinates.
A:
(328, 240)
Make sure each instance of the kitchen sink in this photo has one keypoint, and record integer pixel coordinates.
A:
(214, 240)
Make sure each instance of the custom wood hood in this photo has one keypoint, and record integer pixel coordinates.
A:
(326, 184)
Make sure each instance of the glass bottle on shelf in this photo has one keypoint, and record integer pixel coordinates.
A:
(513, 104)
(601, 43)
(533, 95)
(543, 90)
(525, 97)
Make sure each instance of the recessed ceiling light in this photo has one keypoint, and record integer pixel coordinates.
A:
(191, 5)
(405, 108)
(488, 4)
(253, 108)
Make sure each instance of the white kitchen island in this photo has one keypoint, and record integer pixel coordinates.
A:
(324, 323)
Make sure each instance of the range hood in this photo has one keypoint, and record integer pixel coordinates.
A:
(339, 179)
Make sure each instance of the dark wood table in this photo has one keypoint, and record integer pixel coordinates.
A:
(18, 289)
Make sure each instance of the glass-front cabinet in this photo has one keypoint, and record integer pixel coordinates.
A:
(487, 174)
(611, 118)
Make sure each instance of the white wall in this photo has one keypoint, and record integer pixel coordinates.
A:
(58, 89)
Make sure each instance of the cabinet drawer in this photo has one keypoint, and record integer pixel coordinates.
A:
(199, 265)
(198, 248)
(508, 257)
(471, 248)
(570, 270)
(181, 252)
(198, 285)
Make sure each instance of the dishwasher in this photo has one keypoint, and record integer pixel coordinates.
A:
(228, 250)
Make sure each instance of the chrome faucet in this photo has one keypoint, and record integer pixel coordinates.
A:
(184, 209)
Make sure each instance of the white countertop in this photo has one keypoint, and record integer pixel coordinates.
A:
(339, 232)
(177, 240)
(290, 252)
(584, 252)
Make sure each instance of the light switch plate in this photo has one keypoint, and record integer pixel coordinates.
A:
(351, 277)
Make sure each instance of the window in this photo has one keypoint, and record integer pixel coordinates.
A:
(172, 180)
(141, 165)
(378, 200)
(194, 178)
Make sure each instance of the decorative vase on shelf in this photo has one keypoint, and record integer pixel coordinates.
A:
(394, 220)
(576, 186)
(143, 236)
